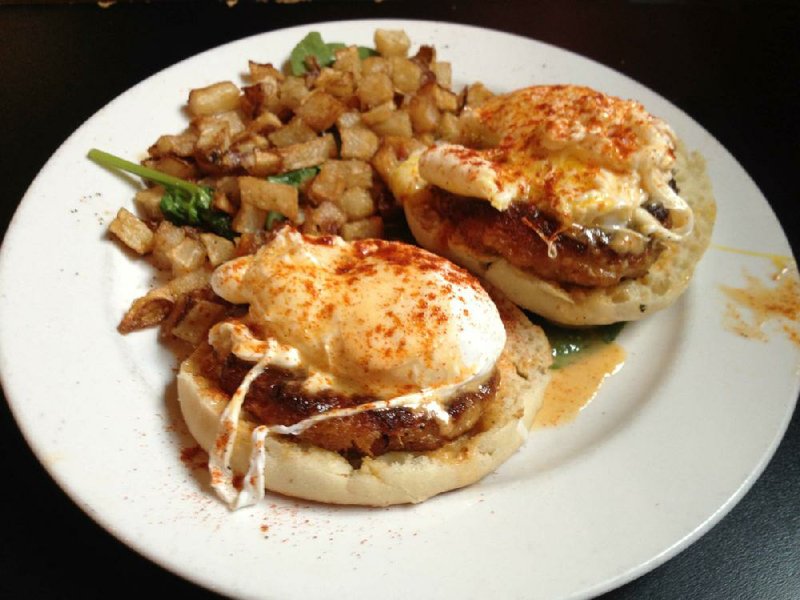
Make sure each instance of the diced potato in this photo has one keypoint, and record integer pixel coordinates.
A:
(223, 202)
(296, 132)
(308, 154)
(424, 113)
(358, 142)
(172, 165)
(265, 123)
(356, 203)
(145, 312)
(132, 231)
(293, 91)
(189, 282)
(406, 75)
(261, 96)
(327, 218)
(148, 202)
(348, 61)
(167, 236)
(445, 99)
(392, 152)
(215, 98)
(448, 129)
(231, 117)
(371, 227)
(398, 124)
(179, 145)
(249, 219)
(375, 64)
(320, 110)
(351, 118)
(477, 94)
(213, 135)
(329, 185)
(392, 42)
(230, 187)
(262, 162)
(375, 89)
(443, 72)
(339, 84)
(378, 114)
(267, 196)
(259, 71)
(194, 325)
(218, 249)
(187, 256)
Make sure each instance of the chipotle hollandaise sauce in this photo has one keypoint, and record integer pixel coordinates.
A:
(582, 360)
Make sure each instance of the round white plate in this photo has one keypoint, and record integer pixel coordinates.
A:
(669, 445)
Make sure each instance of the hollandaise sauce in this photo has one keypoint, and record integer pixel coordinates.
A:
(582, 360)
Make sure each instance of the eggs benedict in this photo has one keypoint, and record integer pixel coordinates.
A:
(580, 206)
(368, 372)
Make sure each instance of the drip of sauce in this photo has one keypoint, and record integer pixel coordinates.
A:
(780, 261)
(752, 307)
(573, 386)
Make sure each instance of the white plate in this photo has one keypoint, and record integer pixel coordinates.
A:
(670, 444)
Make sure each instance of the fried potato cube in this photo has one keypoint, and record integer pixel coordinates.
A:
(172, 165)
(308, 154)
(443, 72)
(339, 84)
(358, 142)
(320, 110)
(424, 113)
(356, 203)
(375, 89)
(292, 92)
(261, 163)
(263, 96)
(259, 71)
(296, 131)
(187, 256)
(148, 202)
(265, 123)
(448, 128)
(348, 61)
(213, 135)
(179, 145)
(378, 114)
(189, 282)
(445, 99)
(375, 64)
(327, 218)
(477, 94)
(398, 124)
(371, 227)
(132, 231)
(215, 98)
(267, 196)
(392, 42)
(145, 312)
(249, 219)
(194, 325)
(218, 249)
(350, 118)
(166, 237)
(406, 75)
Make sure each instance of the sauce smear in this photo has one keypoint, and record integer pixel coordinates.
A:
(763, 303)
(574, 385)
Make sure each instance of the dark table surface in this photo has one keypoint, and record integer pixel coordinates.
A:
(732, 66)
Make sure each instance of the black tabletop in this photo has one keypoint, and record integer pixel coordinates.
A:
(732, 66)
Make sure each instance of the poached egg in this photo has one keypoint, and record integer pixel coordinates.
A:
(385, 319)
(585, 157)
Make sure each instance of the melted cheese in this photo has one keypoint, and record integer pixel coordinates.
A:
(580, 155)
(372, 317)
